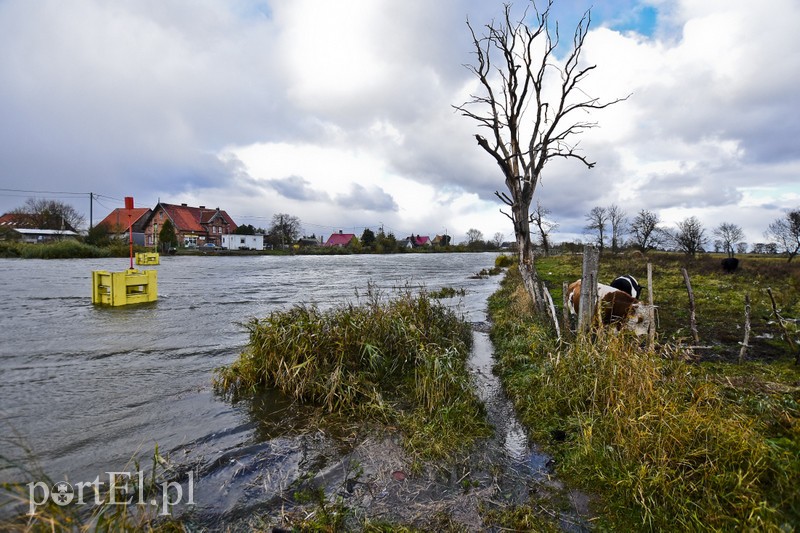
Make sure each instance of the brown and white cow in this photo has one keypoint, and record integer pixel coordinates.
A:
(617, 307)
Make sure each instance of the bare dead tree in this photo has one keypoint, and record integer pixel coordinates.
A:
(729, 235)
(618, 221)
(513, 63)
(545, 226)
(690, 237)
(785, 232)
(596, 220)
(644, 231)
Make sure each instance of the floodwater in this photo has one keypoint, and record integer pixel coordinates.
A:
(88, 389)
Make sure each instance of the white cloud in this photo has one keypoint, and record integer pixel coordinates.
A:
(340, 112)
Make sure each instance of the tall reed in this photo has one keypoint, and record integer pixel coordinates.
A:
(402, 359)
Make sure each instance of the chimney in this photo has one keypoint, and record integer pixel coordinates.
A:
(202, 207)
(340, 232)
(184, 205)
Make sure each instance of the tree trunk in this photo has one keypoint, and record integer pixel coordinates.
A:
(527, 268)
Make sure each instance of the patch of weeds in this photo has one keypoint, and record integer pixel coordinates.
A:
(447, 292)
(399, 361)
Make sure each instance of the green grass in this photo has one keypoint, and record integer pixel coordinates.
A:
(399, 361)
(719, 297)
(665, 443)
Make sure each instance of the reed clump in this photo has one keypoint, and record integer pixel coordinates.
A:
(663, 442)
(401, 360)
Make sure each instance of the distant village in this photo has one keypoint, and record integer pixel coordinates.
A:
(198, 227)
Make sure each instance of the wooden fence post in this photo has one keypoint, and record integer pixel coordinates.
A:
(692, 317)
(743, 351)
(588, 299)
(565, 309)
(651, 313)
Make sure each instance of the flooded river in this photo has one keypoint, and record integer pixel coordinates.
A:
(86, 389)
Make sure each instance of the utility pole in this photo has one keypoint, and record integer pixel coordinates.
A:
(91, 197)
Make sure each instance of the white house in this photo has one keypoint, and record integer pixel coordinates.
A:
(242, 242)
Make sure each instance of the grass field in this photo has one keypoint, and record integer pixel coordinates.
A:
(719, 298)
(674, 438)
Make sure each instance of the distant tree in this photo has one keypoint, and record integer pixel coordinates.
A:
(597, 219)
(167, 238)
(644, 231)
(284, 229)
(98, 235)
(543, 225)
(8, 234)
(618, 220)
(741, 247)
(785, 232)
(690, 236)
(245, 229)
(728, 234)
(474, 235)
(497, 240)
(49, 214)
(385, 243)
(368, 237)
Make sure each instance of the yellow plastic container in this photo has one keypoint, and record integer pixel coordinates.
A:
(148, 258)
(124, 288)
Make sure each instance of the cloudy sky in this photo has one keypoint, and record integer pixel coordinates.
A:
(340, 111)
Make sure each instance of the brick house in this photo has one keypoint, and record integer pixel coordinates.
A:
(118, 220)
(194, 226)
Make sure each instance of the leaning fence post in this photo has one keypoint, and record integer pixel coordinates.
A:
(565, 309)
(692, 318)
(746, 340)
(651, 313)
(588, 299)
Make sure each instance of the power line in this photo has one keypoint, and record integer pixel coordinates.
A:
(46, 192)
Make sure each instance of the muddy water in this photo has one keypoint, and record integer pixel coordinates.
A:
(86, 390)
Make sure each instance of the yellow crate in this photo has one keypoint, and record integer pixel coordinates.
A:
(147, 258)
(124, 288)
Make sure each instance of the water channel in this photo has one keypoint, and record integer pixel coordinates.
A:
(86, 389)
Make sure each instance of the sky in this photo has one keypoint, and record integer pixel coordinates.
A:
(340, 112)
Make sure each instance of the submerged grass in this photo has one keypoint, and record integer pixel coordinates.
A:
(400, 361)
(101, 510)
(665, 443)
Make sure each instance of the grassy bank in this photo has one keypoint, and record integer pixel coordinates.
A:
(664, 442)
(66, 249)
(401, 361)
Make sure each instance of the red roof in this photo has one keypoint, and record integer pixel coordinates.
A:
(422, 240)
(118, 218)
(190, 219)
(340, 239)
(15, 220)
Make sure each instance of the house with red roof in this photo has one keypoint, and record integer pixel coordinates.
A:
(118, 221)
(194, 226)
(415, 241)
(340, 239)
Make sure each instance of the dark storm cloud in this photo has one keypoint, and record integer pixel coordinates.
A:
(297, 188)
(372, 199)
